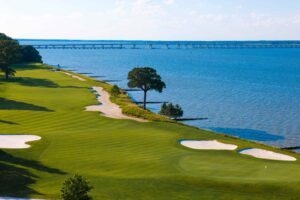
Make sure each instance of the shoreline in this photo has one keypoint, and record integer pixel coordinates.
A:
(180, 123)
(118, 149)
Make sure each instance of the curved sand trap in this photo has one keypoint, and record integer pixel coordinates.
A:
(207, 145)
(107, 108)
(74, 76)
(269, 155)
(17, 141)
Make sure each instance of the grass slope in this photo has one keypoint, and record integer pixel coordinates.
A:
(123, 159)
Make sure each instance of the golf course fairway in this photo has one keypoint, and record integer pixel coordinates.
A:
(122, 159)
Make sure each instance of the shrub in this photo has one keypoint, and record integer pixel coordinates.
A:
(171, 111)
(76, 188)
(115, 91)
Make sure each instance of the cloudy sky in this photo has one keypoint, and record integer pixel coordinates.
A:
(152, 19)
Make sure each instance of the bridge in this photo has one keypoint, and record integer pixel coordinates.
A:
(173, 45)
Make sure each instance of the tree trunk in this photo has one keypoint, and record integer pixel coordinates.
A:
(145, 99)
(6, 75)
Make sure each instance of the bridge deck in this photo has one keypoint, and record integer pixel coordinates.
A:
(163, 46)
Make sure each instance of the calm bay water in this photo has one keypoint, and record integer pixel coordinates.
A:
(249, 93)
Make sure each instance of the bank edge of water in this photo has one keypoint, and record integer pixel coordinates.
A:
(132, 109)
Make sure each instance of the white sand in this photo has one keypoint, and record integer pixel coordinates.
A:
(107, 108)
(264, 154)
(207, 145)
(16, 141)
(73, 76)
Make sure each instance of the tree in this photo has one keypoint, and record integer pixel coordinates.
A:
(10, 54)
(115, 91)
(146, 79)
(76, 188)
(30, 54)
(171, 111)
(8, 72)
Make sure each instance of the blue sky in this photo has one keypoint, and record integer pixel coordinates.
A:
(152, 19)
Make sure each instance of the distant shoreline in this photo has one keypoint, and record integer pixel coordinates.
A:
(83, 40)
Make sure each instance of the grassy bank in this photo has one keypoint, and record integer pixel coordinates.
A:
(123, 159)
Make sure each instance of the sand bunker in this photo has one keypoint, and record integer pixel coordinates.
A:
(207, 145)
(264, 154)
(16, 141)
(107, 108)
(74, 76)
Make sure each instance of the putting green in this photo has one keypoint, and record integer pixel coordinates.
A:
(123, 159)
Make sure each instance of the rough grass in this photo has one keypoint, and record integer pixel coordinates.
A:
(131, 109)
(123, 159)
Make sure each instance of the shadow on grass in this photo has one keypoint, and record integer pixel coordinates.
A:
(8, 122)
(35, 82)
(28, 66)
(6, 104)
(28, 81)
(73, 87)
(5, 157)
(15, 181)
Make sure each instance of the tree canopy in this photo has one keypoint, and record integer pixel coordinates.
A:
(76, 188)
(11, 52)
(171, 111)
(30, 54)
(146, 79)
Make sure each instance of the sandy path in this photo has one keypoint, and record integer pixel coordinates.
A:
(107, 108)
(207, 145)
(16, 141)
(269, 155)
(73, 76)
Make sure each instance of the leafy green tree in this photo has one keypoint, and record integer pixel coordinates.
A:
(164, 109)
(146, 79)
(30, 54)
(115, 91)
(10, 54)
(76, 188)
(171, 111)
(178, 112)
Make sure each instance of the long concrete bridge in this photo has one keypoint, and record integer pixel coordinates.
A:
(172, 45)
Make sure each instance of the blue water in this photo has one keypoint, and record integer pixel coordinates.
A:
(248, 93)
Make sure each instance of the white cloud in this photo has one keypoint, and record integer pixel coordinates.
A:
(296, 19)
(145, 19)
(142, 2)
(239, 7)
(169, 2)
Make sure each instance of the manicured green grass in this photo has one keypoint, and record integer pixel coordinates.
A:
(123, 159)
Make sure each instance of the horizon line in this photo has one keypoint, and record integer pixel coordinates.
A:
(249, 40)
